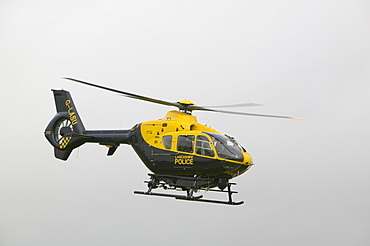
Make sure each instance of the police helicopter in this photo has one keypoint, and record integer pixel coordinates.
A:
(182, 154)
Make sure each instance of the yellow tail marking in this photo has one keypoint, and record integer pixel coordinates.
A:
(65, 142)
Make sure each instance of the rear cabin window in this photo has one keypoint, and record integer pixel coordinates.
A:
(185, 143)
(203, 146)
(167, 141)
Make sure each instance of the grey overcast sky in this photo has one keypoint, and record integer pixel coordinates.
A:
(308, 59)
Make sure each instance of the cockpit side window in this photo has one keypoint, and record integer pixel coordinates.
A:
(185, 143)
(203, 146)
(226, 148)
(167, 141)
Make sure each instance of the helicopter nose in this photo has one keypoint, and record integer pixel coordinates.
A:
(230, 166)
(248, 159)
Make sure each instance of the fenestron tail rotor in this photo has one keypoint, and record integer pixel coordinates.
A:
(185, 106)
(63, 128)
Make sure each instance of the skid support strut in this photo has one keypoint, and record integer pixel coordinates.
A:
(188, 184)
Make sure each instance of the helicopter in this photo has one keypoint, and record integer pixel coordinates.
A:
(182, 154)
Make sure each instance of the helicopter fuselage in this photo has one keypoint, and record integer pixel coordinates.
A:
(179, 145)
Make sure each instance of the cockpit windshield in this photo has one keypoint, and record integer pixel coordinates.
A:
(226, 147)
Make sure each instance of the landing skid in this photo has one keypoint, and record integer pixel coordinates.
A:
(213, 201)
(188, 184)
(167, 195)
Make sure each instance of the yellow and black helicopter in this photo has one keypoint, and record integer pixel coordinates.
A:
(182, 153)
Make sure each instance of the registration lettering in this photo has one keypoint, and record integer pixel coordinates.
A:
(72, 116)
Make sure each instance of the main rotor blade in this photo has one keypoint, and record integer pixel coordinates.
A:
(195, 107)
(235, 105)
(242, 113)
(183, 106)
(130, 95)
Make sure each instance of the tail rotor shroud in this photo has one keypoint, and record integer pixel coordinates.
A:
(67, 132)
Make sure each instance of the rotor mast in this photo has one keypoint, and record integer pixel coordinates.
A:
(185, 105)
